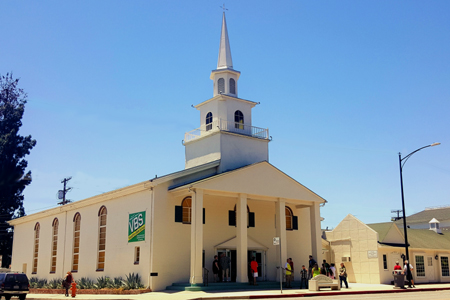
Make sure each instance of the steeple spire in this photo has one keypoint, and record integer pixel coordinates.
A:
(224, 61)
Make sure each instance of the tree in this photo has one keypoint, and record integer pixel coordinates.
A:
(13, 148)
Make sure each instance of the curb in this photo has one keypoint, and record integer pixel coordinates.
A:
(328, 293)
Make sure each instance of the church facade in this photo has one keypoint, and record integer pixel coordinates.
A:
(228, 199)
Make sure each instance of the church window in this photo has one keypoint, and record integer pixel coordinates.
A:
(37, 228)
(209, 119)
(76, 242)
(101, 238)
(221, 86)
(291, 220)
(420, 266)
(232, 217)
(137, 255)
(54, 245)
(238, 120)
(232, 86)
(187, 210)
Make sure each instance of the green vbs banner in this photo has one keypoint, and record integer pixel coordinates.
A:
(136, 227)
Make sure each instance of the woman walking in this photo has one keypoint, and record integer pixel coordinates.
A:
(343, 275)
(67, 282)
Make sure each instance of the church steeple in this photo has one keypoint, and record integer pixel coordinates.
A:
(224, 61)
(225, 77)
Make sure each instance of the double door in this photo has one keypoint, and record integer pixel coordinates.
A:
(232, 254)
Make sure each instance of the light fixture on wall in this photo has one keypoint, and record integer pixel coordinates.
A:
(436, 257)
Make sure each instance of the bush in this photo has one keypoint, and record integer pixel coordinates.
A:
(37, 283)
(132, 281)
(115, 283)
(85, 283)
(102, 282)
(54, 284)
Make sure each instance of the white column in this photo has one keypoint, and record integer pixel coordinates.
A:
(197, 238)
(281, 232)
(316, 232)
(241, 238)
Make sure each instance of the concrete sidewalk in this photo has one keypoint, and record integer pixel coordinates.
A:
(354, 288)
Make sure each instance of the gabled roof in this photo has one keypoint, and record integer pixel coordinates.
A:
(382, 229)
(426, 215)
(260, 178)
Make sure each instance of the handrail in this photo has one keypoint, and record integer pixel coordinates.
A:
(205, 282)
(228, 126)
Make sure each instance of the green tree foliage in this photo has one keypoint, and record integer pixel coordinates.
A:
(13, 148)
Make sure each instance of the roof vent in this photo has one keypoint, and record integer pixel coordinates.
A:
(434, 225)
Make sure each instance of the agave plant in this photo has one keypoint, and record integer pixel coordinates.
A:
(85, 283)
(54, 284)
(102, 282)
(34, 282)
(115, 283)
(132, 281)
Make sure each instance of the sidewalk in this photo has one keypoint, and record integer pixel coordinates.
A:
(355, 288)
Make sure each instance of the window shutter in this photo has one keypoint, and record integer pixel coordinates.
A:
(231, 218)
(295, 222)
(251, 219)
(179, 214)
(203, 215)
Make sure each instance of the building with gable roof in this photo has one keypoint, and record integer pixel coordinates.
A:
(229, 199)
(422, 219)
(369, 251)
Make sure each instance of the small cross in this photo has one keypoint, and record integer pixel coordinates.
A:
(223, 7)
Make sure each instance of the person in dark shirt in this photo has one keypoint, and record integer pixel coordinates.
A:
(304, 276)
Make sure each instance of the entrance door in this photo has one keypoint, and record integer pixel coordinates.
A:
(429, 269)
(232, 255)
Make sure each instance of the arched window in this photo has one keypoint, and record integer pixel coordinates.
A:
(76, 242)
(232, 86)
(187, 210)
(221, 86)
(248, 213)
(238, 120)
(37, 228)
(101, 238)
(289, 215)
(209, 119)
(54, 245)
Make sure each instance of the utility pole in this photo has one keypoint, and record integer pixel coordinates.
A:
(398, 215)
(62, 193)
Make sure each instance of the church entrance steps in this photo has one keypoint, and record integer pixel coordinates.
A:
(228, 286)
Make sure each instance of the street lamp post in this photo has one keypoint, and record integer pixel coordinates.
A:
(402, 162)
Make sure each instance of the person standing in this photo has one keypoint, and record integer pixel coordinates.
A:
(315, 270)
(326, 266)
(343, 275)
(291, 262)
(215, 268)
(332, 271)
(304, 277)
(408, 273)
(287, 267)
(225, 265)
(67, 282)
(397, 266)
(254, 266)
(311, 262)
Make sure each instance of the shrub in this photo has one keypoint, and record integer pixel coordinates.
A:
(37, 283)
(85, 283)
(54, 284)
(115, 283)
(102, 282)
(132, 281)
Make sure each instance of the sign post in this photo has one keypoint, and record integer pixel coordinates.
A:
(276, 242)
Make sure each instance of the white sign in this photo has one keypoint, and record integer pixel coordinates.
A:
(372, 254)
(276, 241)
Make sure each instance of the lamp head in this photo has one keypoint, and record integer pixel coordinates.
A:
(435, 144)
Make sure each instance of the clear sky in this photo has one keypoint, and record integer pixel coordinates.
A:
(344, 86)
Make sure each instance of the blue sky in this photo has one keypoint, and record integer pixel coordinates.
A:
(344, 86)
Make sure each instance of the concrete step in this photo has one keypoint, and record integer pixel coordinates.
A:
(221, 286)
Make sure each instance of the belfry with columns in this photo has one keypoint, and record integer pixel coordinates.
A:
(227, 200)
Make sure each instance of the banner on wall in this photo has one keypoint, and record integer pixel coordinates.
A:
(136, 227)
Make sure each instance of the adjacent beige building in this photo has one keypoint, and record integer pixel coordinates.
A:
(369, 251)
(228, 199)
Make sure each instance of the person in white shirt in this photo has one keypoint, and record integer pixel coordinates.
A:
(408, 273)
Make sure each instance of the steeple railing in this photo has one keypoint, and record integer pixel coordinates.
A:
(227, 126)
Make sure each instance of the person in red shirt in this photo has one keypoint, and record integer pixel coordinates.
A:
(397, 266)
(254, 266)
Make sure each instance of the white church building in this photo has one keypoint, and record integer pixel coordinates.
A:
(228, 199)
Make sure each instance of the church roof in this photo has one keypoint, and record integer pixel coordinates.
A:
(224, 61)
(382, 229)
(426, 215)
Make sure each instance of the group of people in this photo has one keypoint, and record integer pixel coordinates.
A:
(327, 270)
(221, 268)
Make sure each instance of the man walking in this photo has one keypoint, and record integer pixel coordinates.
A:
(225, 265)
